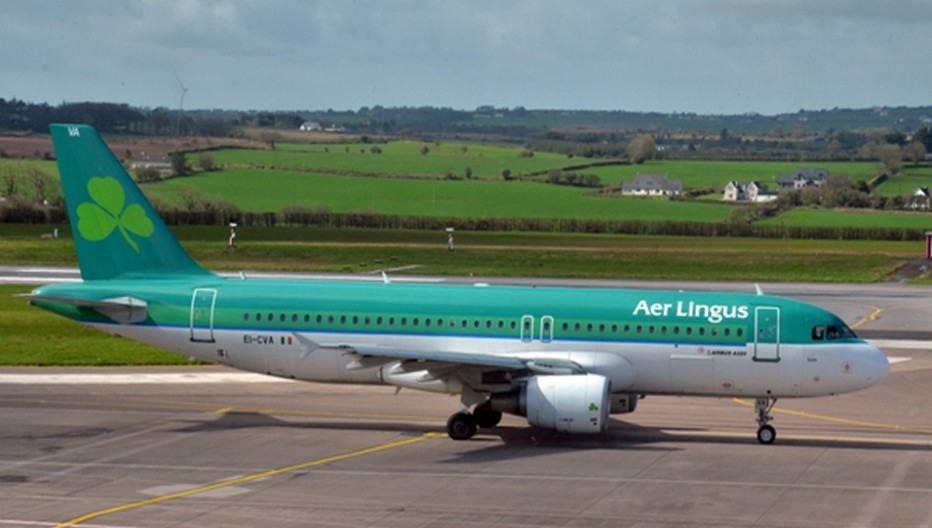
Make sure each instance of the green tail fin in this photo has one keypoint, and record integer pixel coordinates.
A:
(116, 231)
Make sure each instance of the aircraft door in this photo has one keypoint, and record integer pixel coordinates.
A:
(766, 333)
(202, 315)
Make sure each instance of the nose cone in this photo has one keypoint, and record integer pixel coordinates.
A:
(873, 365)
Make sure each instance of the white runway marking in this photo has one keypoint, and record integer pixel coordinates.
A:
(96, 378)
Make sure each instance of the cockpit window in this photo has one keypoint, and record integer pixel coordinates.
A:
(818, 333)
(839, 332)
(832, 332)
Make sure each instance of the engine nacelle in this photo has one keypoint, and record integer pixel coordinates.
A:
(569, 403)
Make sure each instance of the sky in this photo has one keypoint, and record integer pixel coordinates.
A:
(702, 56)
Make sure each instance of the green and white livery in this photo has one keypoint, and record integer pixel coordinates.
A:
(565, 358)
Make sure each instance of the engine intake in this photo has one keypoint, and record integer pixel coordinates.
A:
(576, 403)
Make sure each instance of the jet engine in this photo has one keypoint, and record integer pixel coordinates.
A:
(576, 403)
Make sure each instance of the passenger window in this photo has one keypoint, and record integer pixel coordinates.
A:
(245, 317)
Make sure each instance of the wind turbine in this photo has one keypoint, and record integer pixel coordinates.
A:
(184, 90)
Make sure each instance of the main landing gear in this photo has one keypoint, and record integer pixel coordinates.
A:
(766, 434)
(463, 425)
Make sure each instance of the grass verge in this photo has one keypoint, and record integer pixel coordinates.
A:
(34, 337)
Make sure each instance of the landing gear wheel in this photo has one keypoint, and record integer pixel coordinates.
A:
(461, 426)
(485, 417)
(766, 434)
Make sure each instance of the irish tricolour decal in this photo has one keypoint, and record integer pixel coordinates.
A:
(109, 212)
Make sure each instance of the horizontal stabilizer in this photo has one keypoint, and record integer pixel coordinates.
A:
(123, 310)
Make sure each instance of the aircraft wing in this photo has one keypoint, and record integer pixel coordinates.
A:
(374, 355)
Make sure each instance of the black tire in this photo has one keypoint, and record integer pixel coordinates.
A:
(485, 417)
(461, 426)
(766, 435)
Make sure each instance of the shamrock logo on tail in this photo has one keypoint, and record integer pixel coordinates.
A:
(109, 211)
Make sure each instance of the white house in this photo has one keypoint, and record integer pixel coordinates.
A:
(651, 185)
(746, 192)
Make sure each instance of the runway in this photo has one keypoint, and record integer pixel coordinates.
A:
(207, 446)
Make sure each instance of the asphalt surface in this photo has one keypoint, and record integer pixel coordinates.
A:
(203, 446)
(206, 446)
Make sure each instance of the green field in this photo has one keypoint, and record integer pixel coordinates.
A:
(254, 190)
(397, 157)
(35, 337)
(252, 184)
(512, 254)
(804, 217)
(906, 183)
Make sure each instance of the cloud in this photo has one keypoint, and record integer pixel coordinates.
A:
(704, 55)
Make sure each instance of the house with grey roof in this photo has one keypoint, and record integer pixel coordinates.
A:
(801, 178)
(651, 185)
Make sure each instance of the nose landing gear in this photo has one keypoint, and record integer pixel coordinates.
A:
(766, 434)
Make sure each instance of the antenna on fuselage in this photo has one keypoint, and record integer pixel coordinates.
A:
(759, 291)
(385, 278)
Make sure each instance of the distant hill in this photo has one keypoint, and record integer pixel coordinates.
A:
(20, 116)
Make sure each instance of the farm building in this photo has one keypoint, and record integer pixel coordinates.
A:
(651, 185)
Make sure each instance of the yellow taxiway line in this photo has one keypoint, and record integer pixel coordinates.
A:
(245, 478)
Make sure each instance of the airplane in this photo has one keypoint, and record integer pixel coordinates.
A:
(566, 358)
